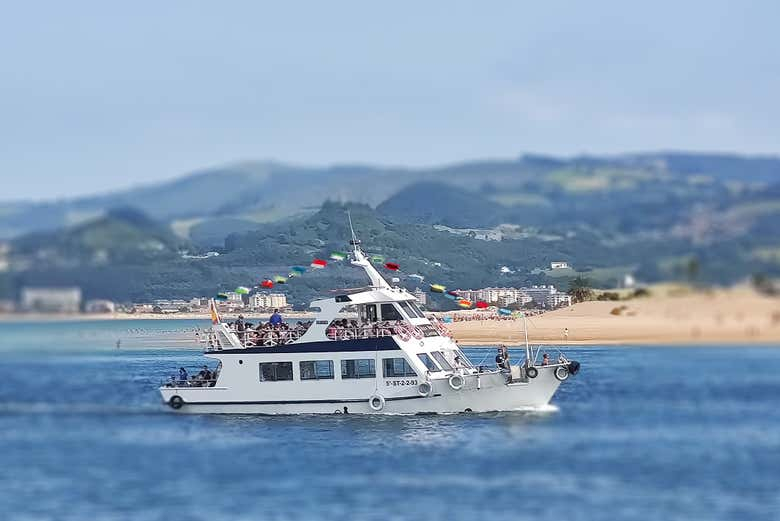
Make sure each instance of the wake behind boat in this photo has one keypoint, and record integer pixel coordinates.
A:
(392, 360)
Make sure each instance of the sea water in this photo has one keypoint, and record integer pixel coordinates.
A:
(640, 433)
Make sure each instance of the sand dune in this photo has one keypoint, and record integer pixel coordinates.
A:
(714, 317)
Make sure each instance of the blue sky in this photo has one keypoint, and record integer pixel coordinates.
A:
(97, 96)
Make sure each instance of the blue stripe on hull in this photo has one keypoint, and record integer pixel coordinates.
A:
(298, 402)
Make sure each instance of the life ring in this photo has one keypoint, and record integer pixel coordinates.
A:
(176, 401)
(456, 381)
(425, 389)
(561, 372)
(532, 372)
(376, 402)
(417, 333)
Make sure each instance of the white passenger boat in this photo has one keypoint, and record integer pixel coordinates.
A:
(390, 359)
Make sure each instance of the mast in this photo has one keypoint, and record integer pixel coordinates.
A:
(359, 259)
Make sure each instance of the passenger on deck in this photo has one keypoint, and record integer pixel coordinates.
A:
(183, 376)
(205, 374)
(276, 318)
(545, 359)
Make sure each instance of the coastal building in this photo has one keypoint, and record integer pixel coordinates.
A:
(547, 296)
(268, 301)
(559, 265)
(421, 296)
(51, 300)
(99, 306)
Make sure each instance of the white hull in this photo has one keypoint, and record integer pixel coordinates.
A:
(486, 393)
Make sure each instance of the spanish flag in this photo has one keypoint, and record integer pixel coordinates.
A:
(213, 310)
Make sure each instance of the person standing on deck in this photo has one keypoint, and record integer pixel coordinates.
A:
(276, 319)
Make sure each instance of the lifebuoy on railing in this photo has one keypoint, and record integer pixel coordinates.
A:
(561, 373)
(425, 389)
(376, 402)
(532, 372)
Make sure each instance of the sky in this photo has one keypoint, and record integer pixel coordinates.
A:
(99, 96)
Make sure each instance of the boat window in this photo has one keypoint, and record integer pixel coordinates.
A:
(417, 309)
(397, 367)
(439, 357)
(276, 371)
(362, 368)
(409, 309)
(317, 370)
(370, 312)
(429, 363)
(390, 312)
(463, 358)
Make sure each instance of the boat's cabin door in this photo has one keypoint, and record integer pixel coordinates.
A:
(368, 313)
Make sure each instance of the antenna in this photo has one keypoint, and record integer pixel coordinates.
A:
(354, 242)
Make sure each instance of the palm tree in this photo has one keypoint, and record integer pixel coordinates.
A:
(580, 290)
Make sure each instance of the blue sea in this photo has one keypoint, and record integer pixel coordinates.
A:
(640, 433)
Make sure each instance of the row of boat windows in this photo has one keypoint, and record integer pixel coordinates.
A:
(323, 369)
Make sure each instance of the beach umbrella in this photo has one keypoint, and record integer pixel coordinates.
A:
(464, 303)
(318, 264)
(221, 296)
(242, 290)
(300, 270)
(481, 304)
(338, 255)
(279, 279)
(392, 266)
(504, 311)
(267, 284)
(378, 259)
(437, 288)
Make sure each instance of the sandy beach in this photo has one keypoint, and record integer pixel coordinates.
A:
(723, 316)
(671, 315)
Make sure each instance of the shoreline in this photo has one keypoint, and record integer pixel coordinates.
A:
(734, 316)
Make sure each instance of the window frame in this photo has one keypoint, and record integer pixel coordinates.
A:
(392, 305)
(435, 369)
(275, 366)
(408, 372)
(316, 370)
(358, 374)
(443, 363)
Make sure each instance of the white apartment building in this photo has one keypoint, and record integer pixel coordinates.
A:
(548, 296)
(421, 296)
(268, 301)
(51, 300)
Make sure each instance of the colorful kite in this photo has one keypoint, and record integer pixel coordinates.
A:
(267, 283)
(464, 303)
(504, 311)
(242, 290)
(300, 270)
(481, 304)
(338, 256)
(221, 297)
(437, 288)
(392, 266)
(378, 259)
(279, 279)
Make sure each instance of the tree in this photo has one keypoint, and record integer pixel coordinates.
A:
(580, 289)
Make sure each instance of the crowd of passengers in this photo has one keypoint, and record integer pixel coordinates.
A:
(274, 332)
(205, 378)
(345, 329)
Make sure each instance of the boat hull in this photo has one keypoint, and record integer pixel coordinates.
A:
(480, 393)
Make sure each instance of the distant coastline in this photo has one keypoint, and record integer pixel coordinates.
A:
(730, 316)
